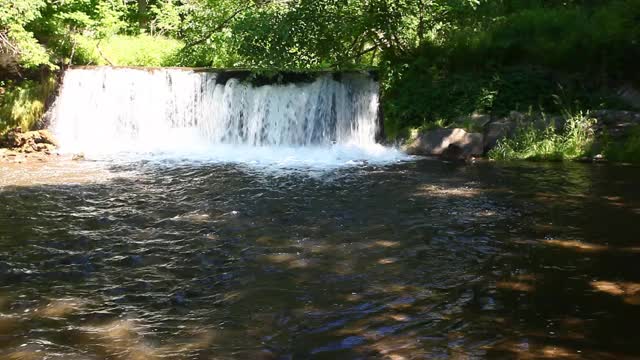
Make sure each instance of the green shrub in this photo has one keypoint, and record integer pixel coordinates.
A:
(420, 95)
(534, 143)
(123, 50)
(515, 56)
(600, 39)
(23, 104)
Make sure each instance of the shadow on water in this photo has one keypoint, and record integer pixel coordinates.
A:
(422, 259)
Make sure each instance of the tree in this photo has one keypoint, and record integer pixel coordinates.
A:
(15, 39)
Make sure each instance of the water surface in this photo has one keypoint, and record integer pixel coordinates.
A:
(195, 260)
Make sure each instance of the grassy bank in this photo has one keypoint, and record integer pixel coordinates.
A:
(575, 140)
(123, 50)
(23, 103)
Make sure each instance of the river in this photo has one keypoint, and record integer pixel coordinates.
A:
(416, 258)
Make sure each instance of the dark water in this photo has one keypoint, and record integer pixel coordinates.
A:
(417, 260)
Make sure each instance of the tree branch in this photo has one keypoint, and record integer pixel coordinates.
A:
(6, 44)
(216, 29)
(363, 52)
(101, 54)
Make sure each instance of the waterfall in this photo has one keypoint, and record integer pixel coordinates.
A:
(123, 109)
(185, 113)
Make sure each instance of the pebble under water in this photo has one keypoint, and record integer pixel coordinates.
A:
(421, 259)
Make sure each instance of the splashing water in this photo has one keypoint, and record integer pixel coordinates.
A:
(186, 113)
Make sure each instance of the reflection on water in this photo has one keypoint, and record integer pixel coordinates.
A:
(164, 260)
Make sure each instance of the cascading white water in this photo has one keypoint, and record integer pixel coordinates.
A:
(111, 110)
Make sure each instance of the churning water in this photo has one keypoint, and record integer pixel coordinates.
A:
(186, 113)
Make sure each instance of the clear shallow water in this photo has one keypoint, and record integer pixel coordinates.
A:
(196, 260)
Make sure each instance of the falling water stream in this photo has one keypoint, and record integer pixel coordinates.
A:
(219, 220)
(207, 115)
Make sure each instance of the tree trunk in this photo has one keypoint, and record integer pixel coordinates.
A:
(142, 14)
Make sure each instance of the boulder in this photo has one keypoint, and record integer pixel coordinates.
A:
(474, 120)
(612, 117)
(497, 130)
(616, 123)
(46, 137)
(506, 127)
(630, 95)
(480, 119)
(28, 142)
(453, 153)
(438, 141)
(14, 138)
(517, 116)
(557, 121)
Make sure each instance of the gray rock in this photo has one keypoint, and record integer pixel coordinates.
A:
(507, 127)
(453, 153)
(557, 121)
(516, 116)
(436, 142)
(630, 95)
(616, 123)
(476, 120)
(480, 119)
(611, 117)
(28, 141)
(497, 130)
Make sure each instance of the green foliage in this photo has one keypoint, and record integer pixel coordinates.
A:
(166, 18)
(416, 93)
(535, 143)
(310, 34)
(627, 151)
(513, 56)
(15, 15)
(601, 40)
(46, 32)
(438, 59)
(23, 104)
(123, 50)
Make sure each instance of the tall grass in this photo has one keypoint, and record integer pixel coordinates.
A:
(23, 104)
(546, 143)
(124, 50)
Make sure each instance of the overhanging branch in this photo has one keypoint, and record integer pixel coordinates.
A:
(216, 29)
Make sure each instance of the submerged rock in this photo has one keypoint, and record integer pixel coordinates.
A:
(449, 143)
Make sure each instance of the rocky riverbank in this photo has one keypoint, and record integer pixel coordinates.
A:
(481, 133)
(19, 146)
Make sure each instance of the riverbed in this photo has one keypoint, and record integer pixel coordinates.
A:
(177, 259)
